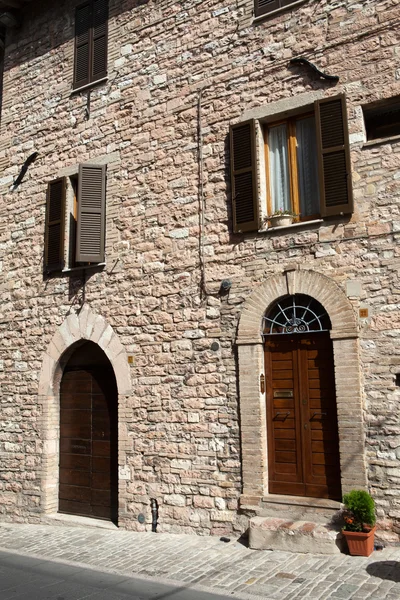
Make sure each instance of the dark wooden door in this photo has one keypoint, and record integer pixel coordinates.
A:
(303, 443)
(89, 443)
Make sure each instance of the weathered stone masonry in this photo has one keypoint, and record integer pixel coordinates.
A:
(179, 413)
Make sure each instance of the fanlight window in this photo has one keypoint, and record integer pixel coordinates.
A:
(296, 314)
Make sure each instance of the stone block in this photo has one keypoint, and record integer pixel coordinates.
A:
(268, 533)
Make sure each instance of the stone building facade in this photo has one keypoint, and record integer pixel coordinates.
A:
(188, 354)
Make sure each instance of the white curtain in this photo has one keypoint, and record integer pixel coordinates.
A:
(307, 165)
(279, 168)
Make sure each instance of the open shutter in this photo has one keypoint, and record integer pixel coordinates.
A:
(333, 156)
(55, 225)
(100, 34)
(262, 7)
(91, 214)
(243, 177)
(83, 21)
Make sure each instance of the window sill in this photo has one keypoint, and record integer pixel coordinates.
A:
(379, 141)
(259, 18)
(291, 226)
(88, 86)
(83, 268)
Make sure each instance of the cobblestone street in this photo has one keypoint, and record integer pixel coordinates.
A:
(210, 564)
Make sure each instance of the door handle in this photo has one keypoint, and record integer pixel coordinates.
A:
(285, 415)
(322, 414)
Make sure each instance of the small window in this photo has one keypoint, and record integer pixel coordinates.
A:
(292, 164)
(382, 119)
(75, 219)
(91, 40)
(307, 166)
(263, 7)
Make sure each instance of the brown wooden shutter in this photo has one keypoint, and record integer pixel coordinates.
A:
(243, 177)
(100, 35)
(262, 7)
(55, 225)
(333, 156)
(83, 21)
(91, 214)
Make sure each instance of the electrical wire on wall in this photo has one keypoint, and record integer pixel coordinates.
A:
(204, 292)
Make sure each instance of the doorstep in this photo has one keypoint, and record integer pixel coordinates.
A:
(269, 533)
(76, 521)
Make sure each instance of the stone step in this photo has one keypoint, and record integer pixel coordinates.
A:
(297, 508)
(269, 533)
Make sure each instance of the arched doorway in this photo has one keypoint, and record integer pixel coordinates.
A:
(88, 467)
(302, 424)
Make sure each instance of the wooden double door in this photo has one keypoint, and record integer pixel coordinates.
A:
(88, 483)
(303, 444)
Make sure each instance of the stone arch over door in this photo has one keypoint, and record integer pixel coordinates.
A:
(77, 328)
(344, 335)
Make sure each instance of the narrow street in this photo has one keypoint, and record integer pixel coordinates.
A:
(60, 562)
(26, 578)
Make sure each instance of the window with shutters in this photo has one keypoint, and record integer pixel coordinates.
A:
(91, 38)
(307, 166)
(75, 219)
(265, 7)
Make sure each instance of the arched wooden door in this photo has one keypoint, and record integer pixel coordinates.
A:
(302, 428)
(88, 484)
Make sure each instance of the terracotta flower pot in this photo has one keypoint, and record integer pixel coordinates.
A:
(281, 220)
(360, 543)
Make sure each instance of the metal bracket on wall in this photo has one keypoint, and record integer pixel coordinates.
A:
(303, 61)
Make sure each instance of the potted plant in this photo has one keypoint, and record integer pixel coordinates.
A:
(359, 518)
(282, 218)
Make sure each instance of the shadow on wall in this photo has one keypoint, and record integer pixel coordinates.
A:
(38, 34)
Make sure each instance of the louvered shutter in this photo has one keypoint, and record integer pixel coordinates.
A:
(243, 177)
(262, 7)
(91, 214)
(55, 225)
(100, 34)
(333, 156)
(83, 21)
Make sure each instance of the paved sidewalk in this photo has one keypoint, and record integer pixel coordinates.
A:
(208, 563)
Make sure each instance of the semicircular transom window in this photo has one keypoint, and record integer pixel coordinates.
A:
(296, 314)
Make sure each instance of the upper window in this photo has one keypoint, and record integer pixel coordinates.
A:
(263, 7)
(307, 166)
(75, 213)
(382, 119)
(91, 32)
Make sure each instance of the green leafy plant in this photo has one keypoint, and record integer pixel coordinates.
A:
(360, 511)
(283, 213)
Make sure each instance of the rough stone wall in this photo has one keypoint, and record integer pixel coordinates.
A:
(180, 427)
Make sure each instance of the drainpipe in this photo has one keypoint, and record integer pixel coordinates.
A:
(154, 512)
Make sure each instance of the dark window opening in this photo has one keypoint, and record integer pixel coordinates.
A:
(397, 379)
(382, 119)
(263, 7)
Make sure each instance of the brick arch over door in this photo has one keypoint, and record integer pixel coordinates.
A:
(344, 335)
(85, 326)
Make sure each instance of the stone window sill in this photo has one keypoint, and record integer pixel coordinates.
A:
(89, 86)
(387, 140)
(83, 268)
(260, 18)
(291, 226)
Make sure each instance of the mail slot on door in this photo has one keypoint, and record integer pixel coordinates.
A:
(283, 393)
